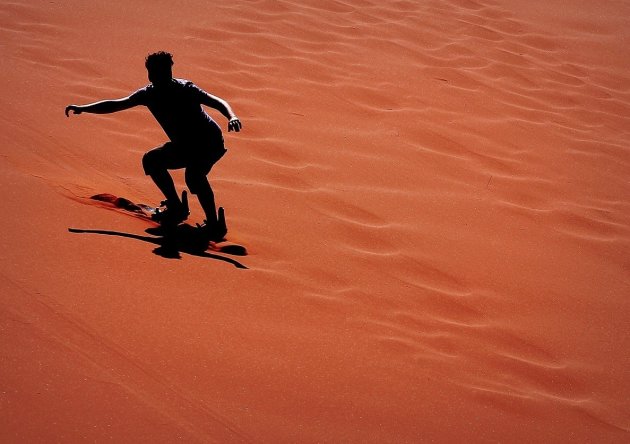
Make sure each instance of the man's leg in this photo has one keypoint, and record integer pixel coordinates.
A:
(165, 183)
(156, 164)
(198, 184)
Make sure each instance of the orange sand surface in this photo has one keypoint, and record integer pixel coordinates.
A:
(434, 195)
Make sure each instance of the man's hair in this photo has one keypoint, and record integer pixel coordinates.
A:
(159, 61)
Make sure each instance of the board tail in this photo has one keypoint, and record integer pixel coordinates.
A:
(185, 201)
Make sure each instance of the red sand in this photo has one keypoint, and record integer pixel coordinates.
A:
(434, 195)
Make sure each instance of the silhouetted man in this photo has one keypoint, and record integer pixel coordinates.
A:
(196, 141)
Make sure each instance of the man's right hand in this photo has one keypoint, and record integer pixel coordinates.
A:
(74, 108)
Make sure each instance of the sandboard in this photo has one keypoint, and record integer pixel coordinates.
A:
(182, 231)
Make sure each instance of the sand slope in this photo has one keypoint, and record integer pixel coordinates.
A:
(434, 197)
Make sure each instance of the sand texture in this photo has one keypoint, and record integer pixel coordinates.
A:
(434, 197)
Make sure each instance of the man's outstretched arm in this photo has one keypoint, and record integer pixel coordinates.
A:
(103, 107)
(224, 108)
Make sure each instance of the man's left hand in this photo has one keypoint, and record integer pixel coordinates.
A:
(234, 124)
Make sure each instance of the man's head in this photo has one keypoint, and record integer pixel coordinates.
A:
(159, 67)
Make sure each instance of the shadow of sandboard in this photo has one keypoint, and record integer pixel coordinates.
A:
(183, 238)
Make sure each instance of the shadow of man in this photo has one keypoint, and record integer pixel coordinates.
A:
(171, 243)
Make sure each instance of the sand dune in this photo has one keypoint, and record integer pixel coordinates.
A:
(433, 197)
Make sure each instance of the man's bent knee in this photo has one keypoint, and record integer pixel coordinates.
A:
(151, 162)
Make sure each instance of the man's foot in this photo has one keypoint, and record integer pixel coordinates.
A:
(172, 213)
(216, 231)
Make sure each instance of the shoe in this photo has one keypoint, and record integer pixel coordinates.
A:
(214, 232)
(172, 213)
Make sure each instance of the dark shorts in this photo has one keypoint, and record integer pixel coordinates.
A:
(173, 156)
